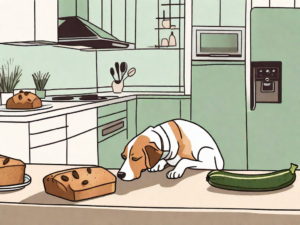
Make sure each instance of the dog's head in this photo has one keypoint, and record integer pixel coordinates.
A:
(140, 154)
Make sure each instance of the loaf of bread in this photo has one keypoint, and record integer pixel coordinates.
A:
(24, 100)
(12, 171)
(80, 183)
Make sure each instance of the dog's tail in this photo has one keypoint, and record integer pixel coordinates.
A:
(219, 161)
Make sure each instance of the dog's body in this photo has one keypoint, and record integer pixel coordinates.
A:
(178, 143)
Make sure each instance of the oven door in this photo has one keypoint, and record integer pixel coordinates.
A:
(222, 43)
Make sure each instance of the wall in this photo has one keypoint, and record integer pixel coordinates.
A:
(69, 69)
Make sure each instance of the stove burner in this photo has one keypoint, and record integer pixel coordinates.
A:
(92, 97)
(63, 98)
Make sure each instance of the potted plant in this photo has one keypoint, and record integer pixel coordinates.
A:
(40, 81)
(9, 78)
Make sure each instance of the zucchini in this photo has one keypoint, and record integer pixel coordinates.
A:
(262, 182)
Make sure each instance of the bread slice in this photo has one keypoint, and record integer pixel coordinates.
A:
(80, 183)
(12, 171)
(24, 100)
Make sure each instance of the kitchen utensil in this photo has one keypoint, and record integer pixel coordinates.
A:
(117, 69)
(130, 72)
(27, 181)
(164, 42)
(4, 109)
(165, 23)
(173, 26)
(172, 40)
(123, 69)
(112, 72)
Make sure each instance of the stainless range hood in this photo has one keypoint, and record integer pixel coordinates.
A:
(75, 32)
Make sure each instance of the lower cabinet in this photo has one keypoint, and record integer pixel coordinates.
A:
(151, 112)
(82, 149)
(50, 154)
(110, 151)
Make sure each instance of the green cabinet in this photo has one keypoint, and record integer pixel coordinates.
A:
(219, 12)
(131, 119)
(151, 112)
(206, 12)
(110, 151)
(115, 17)
(233, 12)
(219, 106)
(146, 35)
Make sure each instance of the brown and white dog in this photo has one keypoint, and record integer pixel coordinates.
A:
(179, 143)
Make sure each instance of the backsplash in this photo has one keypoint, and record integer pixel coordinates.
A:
(69, 69)
(74, 71)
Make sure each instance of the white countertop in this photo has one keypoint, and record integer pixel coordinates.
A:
(61, 108)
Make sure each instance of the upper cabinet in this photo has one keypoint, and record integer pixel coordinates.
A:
(115, 17)
(219, 12)
(28, 22)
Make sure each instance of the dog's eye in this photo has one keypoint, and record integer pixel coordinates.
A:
(135, 159)
(123, 156)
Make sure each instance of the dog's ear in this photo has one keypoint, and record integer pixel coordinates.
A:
(152, 154)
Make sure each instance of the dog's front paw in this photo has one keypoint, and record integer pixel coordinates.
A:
(175, 173)
(159, 166)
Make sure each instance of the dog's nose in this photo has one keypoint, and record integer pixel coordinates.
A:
(121, 175)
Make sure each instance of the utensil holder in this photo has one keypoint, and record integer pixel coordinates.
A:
(117, 87)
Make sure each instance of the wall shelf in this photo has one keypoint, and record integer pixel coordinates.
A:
(167, 28)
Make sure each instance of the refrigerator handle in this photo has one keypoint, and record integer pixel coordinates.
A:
(253, 90)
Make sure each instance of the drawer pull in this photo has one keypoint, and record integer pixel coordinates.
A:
(114, 127)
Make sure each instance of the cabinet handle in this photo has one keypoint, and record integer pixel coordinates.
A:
(112, 127)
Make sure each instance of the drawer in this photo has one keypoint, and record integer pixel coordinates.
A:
(81, 122)
(50, 154)
(111, 128)
(107, 119)
(47, 124)
(47, 137)
(111, 109)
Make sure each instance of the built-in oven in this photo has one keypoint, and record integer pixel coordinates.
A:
(218, 43)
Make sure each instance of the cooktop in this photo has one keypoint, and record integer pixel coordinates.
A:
(78, 98)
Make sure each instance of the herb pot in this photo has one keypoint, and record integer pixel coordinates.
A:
(41, 94)
(5, 97)
(117, 86)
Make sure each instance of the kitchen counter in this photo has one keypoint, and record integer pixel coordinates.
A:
(61, 108)
(150, 200)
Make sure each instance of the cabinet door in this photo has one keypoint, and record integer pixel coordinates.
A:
(17, 20)
(233, 12)
(218, 105)
(206, 12)
(146, 35)
(151, 112)
(110, 151)
(82, 149)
